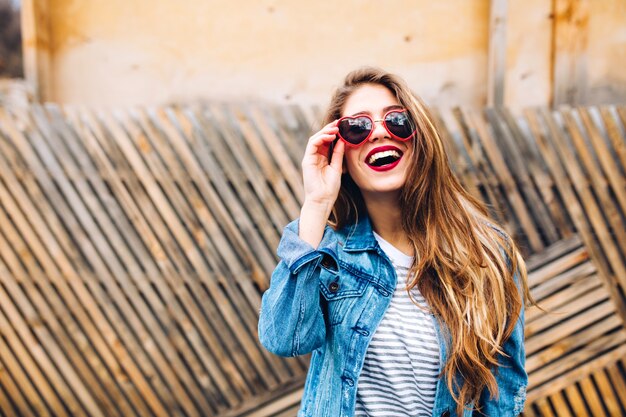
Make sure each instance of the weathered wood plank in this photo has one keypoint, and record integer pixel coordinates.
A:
(605, 392)
(157, 201)
(576, 401)
(64, 272)
(571, 372)
(560, 405)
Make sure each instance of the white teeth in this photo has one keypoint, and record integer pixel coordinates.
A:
(383, 154)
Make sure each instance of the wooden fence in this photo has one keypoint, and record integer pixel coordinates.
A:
(135, 246)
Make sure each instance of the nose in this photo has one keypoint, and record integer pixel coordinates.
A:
(379, 131)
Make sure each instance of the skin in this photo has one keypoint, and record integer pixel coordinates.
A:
(381, 190)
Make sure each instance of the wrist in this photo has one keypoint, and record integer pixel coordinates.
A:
(317, 208)
(313, 219)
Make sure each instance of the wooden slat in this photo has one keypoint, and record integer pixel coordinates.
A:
(518, 205)
(459, 159)
(249, 167)
(196, 135)
(263, 157)
(618, 382)
(560, 404)
(618, 144)
(64, 273)
(15, 379)
(554, 252)
(38, 367)
(608, 168)
(133, 285)
(591, 397)
(471, 136)
(546, 287)
(513, 167)
(605, 392)
(591, 205)
(574, 207)
(249, 307)
(218, 139)
(568, 343)
(602, 193)
(47, 295)
(165, 276)
(531, 176)
(576, 401)
(12, 401)
(566, 379)
(545, 408)
(75, 213)
(149, 173)
(153, 311)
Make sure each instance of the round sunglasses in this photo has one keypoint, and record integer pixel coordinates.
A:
(355, 130)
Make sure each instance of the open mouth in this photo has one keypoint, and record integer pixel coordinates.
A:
(383, 158)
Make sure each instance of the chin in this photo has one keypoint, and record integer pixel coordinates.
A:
(384, 187)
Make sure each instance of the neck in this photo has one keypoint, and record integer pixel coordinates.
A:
(385, 215)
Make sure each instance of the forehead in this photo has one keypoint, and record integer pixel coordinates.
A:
(369, 98)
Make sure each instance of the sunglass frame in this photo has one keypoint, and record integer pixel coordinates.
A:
(383, 120)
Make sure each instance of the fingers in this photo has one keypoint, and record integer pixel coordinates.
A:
(337, 158)
(322, 138)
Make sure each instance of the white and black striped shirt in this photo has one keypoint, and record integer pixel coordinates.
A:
(399, 376)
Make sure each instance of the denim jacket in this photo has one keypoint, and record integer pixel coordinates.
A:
(330, 300)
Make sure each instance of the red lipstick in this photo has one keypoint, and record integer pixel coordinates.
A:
(385, 167)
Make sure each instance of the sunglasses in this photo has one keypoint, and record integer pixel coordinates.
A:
(355, 130)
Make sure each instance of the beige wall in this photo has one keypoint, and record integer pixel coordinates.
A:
(127, 52)
(605, 51)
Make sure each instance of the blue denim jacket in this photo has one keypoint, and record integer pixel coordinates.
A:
(330, 300)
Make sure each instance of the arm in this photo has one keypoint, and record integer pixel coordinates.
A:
(291, 321)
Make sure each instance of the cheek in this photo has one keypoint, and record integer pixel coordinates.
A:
(408, 154)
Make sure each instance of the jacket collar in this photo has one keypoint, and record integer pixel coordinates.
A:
(360, 236)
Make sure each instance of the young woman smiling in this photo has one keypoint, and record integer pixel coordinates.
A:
(410, 298)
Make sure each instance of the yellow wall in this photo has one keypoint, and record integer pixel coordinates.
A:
(606, 51)
(147, 51)
(128, 52)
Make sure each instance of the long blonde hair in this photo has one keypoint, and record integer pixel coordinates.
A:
(465, 265)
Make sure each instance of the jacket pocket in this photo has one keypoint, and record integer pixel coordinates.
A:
(341, 291)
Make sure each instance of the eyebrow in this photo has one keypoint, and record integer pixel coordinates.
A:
(385, 110)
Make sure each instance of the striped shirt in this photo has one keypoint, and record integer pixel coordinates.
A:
(399, 376)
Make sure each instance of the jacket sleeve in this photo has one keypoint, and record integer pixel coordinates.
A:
(511, 376)
(291, 322)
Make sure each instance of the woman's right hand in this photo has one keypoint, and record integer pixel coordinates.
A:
(321, 177)
(321, 182)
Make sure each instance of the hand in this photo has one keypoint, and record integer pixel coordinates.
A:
(321, 177)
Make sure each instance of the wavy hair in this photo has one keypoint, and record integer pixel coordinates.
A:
(465, 265)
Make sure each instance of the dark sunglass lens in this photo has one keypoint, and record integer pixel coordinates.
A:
(399, 124)
(355, 130)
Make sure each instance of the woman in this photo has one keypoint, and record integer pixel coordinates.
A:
(409, 297)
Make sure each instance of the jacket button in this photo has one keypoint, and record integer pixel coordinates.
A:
(333, 286)
(445, 414)
(328, 263)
